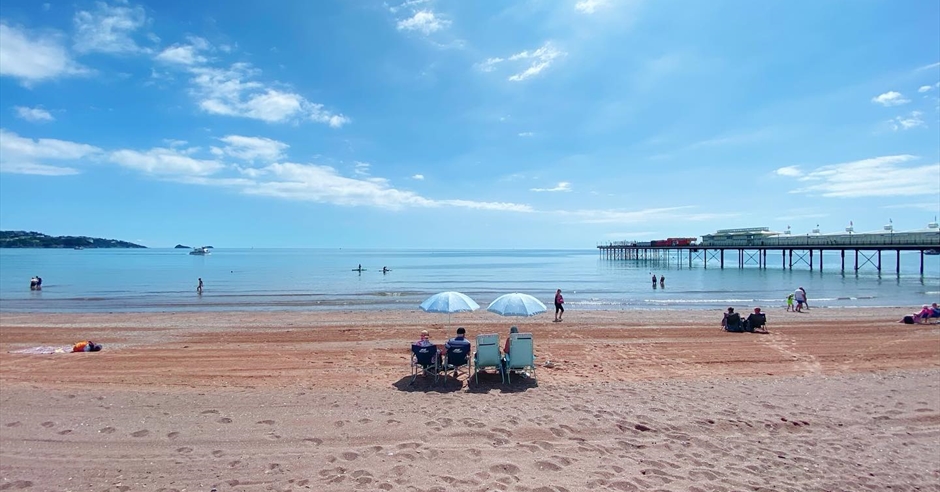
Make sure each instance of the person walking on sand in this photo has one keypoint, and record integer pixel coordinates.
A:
(199, 287)
(805, 299)
(800, 298)
(559, 305)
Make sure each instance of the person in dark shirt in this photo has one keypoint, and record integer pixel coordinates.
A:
(756, 321)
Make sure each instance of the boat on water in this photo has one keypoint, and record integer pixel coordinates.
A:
(201, 251)
(932, 252)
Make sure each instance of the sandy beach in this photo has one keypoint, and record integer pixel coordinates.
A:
(831, 399)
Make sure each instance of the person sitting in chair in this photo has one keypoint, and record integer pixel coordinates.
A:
(755, 322)
(459, 341)
(732, 321)
(512, 330)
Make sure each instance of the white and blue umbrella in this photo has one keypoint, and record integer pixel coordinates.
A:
(516, 304)
(449, 302)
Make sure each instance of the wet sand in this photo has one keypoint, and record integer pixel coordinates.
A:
(634, 400)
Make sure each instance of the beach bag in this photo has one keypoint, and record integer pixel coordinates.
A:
(908, 320)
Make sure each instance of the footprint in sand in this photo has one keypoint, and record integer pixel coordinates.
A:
(107, 430)
(504, 469)
(313, 440)
(350, 455)
(173, 435)
(225, 420)
(184, 450)
(48, 424)
(266, 422)
(65, 432)
(19, 484)
(140, 433)
(207, 412)
(217, 453)
(14, 424)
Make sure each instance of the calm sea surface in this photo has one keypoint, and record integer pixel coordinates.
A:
(105, 280)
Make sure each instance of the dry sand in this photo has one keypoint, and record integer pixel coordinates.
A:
(636, 400)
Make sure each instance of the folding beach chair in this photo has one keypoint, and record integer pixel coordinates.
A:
(456, 357)
(423, 361)
(487, 355)
(521, 355)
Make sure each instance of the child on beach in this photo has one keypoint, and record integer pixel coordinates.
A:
(559, 305)
(790, 302)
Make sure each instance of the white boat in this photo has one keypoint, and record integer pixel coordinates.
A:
(201, 251)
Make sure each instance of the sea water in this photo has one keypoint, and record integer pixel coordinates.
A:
(126, 280)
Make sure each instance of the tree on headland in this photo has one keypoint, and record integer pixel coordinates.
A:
(30, 239)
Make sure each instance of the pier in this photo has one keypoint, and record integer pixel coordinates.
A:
(758, 246)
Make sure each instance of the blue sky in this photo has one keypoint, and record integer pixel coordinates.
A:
(452, 124)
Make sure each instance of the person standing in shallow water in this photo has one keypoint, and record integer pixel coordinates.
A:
(662, 281)
(199, 287)
(559, 305)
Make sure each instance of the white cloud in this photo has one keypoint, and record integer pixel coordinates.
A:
(252, 148)
(34, 57)
(108, 29)
(322, 184)
(172, 142)
(35, 115)
(890, 98)
(562, 186)
(878, 176)
(185, 54)
(24, 155)
(361, 168)
(418, 177)
(652, 215)
(924, 88)
(788, 171)
(907, 122)
(526, 134)
(424, 21)
(537, 61)
(409, 3)
(164, 161)
(589, 6)
(928, 67)
(231, 93)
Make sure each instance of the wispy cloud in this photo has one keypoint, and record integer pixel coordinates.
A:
(32, 57)
(361, 168)
(650, 215)
(537, 61)
(562, 186)
(928, 67)
(927, 88)
(890, 98)
(165, 161)
(251, 148)
(19, 155)
(109, 29)
(788, 171)
(185, 53)
(878, 176)
(233, 92)
(418, 177)
(912, 120)
(423, 21)
(733, 139)
(526, 134)
(410, 3)
(589, 6)
(34, 115)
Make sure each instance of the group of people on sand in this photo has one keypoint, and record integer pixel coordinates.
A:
(802, 302)
(923, 316)
(754, 323)
(459, 341)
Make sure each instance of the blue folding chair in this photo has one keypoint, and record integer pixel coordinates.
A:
(424, 360)
(457, 357)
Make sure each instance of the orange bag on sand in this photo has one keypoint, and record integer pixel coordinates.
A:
(86, 346)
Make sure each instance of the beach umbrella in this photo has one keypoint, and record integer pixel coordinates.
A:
(516, 304)
(449, 302)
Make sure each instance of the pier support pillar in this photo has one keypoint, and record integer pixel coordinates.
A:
(811, 259)
(921, 263)
(820, 260)
(856, 261)
(843, 261)
(791, 259)
(879, 261)
(722, 259)
(898, 269)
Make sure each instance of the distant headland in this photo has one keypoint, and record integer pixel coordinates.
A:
(29, 239)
